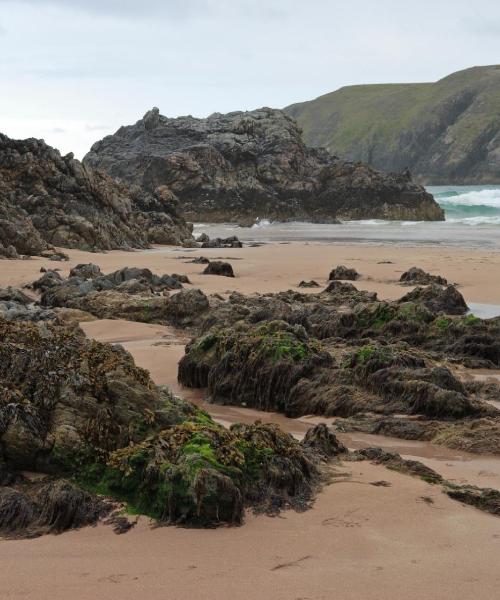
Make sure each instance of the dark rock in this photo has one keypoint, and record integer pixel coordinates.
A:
(218, 267)
(230, 242)
(52, 200)
(187, 306)
(11, 294)
(322, 440)
(86, 271)
(447, 300)
(200, 260)
(345, 273)
(483, 498)
(395, 462)
(47, 281)
(257, 365)
(74, 407)
(248, 165)
(417, 276)
(308, 284)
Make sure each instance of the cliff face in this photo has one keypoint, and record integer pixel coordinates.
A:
(245, 165)
(49, 199)
(446, 132)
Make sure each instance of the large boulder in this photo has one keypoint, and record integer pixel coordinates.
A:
(248, 165)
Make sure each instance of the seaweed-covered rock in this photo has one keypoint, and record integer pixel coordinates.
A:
(395, 462)
(86, 271)
(31, 509)
(447, 300)
(256, 365)
(218, 267)
(417, 276)
(340, 272)
(76, 408)
(322, 440)
(486, 499)
(203, 474)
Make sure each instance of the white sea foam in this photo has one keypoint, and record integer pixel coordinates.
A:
(488, 197)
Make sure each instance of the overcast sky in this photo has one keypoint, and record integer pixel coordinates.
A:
(72, 71)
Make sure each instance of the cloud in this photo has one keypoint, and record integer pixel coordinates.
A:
(58, 130)
(171, 9)
(3, 31)
(174, 9)
(91, 128)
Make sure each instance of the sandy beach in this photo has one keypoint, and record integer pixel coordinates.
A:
(276, 267)
(359, 541)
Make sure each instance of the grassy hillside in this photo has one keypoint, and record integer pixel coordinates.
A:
(445, 132)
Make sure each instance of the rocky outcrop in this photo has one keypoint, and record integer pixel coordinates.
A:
(72, 408)
(247, 165)
(219, 267)
(385, 367)
(447, 132)
(417, 276)
(343, 273)
(51, 200)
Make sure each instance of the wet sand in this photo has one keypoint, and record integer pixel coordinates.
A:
(359, 541)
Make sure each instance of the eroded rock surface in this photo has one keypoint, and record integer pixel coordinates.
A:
(51, 200)
(245, 166)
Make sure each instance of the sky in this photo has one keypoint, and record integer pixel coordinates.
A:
(73, 71)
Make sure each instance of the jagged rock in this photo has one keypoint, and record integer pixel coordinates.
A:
(417, 276)
(86, 271)
(322, 440)
(345, 273)
(11, 294)
(308, 284)
(52, 200)
(447, 300)
(8, 252)
(217, 267)
(187, 307)
(248, 165)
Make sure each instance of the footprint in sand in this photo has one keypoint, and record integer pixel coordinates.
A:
(346, 520)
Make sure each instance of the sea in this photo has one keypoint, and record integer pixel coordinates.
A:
(472, 216)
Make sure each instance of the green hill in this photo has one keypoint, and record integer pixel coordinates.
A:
(445, 132)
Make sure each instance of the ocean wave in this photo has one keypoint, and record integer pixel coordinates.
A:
(477, 198)
(261, 223)
(474, 221)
